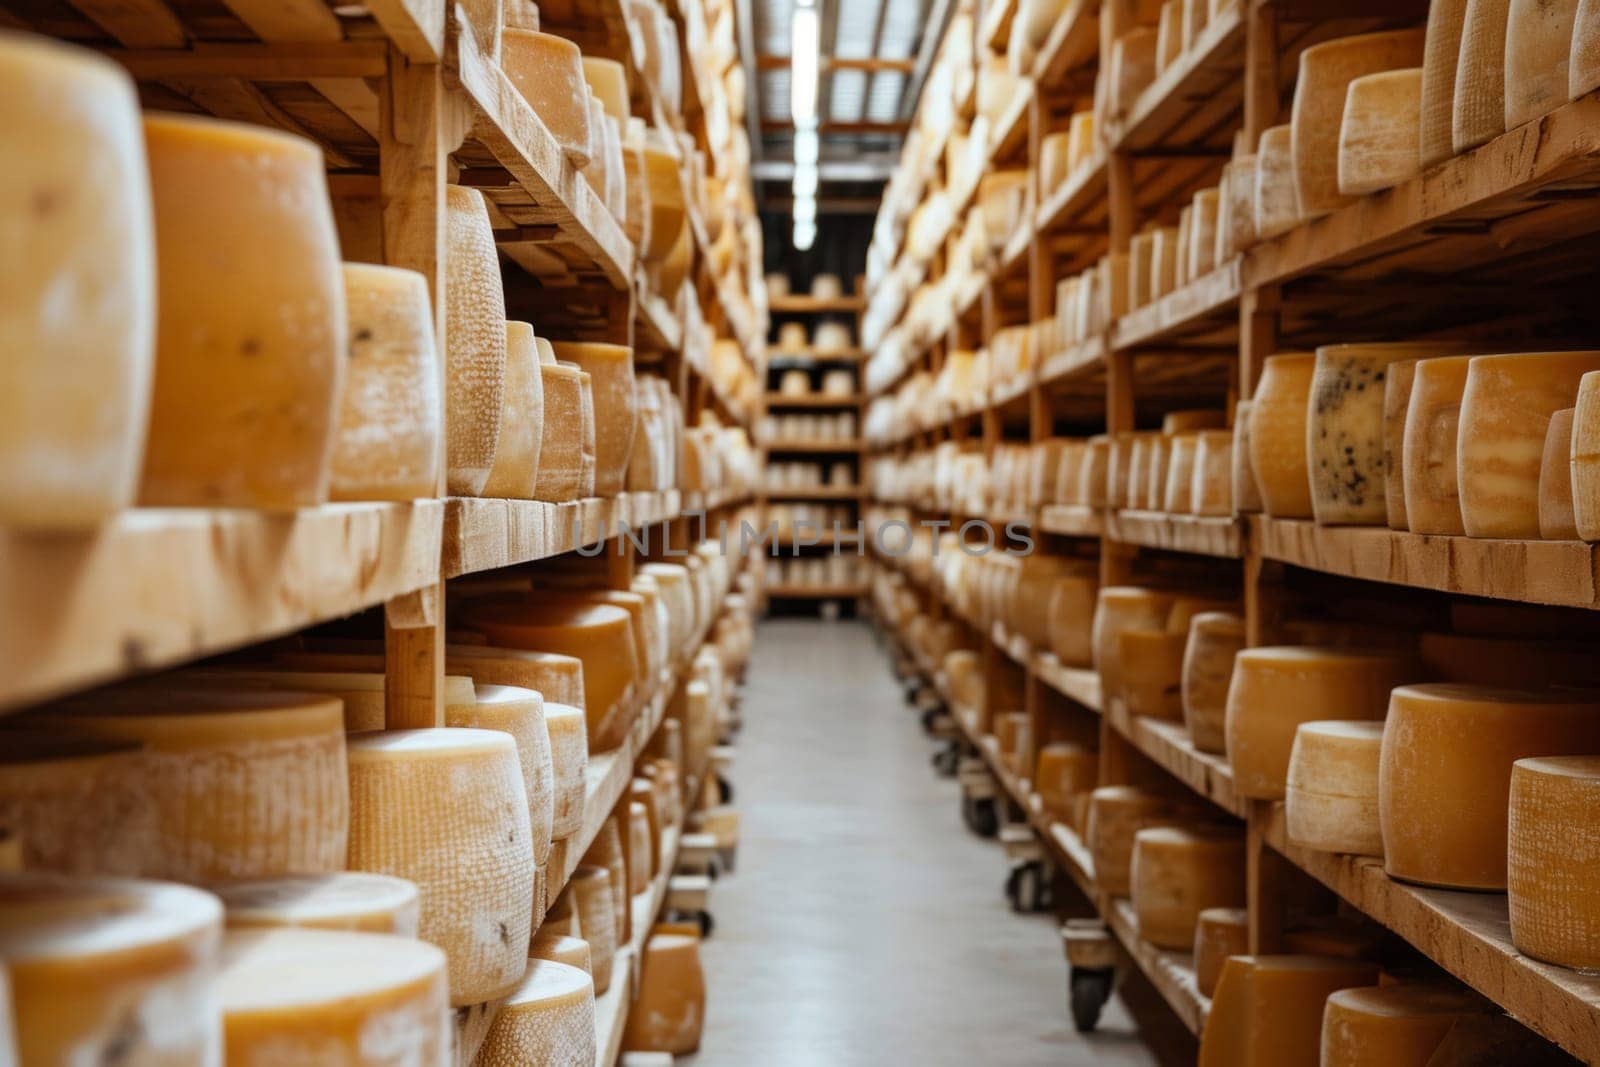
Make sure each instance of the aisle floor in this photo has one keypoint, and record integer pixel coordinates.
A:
(865, 924)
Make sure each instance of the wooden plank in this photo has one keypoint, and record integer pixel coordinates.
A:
(1073, 42)
(814, 400)
(801, 304)
(1071, 520)
(287, 20)
(1204, 76)
(135, 23)
(156, 587)
(415, 26)
(1168, 745)
(611, 1009)
(1172, 973)
(1075, 683)
(1207, 302)
(484, 534)
(292, 62)
(1206, 535)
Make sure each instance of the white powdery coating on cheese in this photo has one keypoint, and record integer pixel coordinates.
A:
(590, 890)
(84, 813)
(475, 340)
(519, 713)
(549, 1020)
(1553, 860)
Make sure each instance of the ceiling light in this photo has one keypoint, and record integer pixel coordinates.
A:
(803, 61)
(804, 209)
(805, 180)
(805, 147)
(805, 235)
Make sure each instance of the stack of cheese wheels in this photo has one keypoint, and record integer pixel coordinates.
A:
(243, 784)
(387, 444)
(616, 407)
(1214, 639)
(1398, 379)
(1038, 579)
(514, 473)
(1268, 1009)
(75, 805)
(70, 443)
(1445, 772)
(1379, 133)
(591, 902)
(1116, 813)
(1331, 800)
(519, 713)
(1063, 772)
(1279, 419)
(548, 71)
(1122, 608)
(1403, 1022)
(1549, 875)
(561, 948)
(1218, 934)
(250, 318)
(447, 809)
(1557, 520)
(1505, 412)
(669, 1012)
(1276, 689)
(108, 970)
(305, 996)
(348, 900)
(1175, 873)
(1345, 429)
(1432, 426)
(1277, 198)
(475, 336)
(601, 635)
(549, 1018)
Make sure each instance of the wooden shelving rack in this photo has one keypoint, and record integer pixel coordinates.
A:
(1505, 223)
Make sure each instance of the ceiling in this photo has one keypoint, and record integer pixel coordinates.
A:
(872, 67)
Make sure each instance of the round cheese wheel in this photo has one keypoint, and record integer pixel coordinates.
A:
(1505, 413)
(332, 996)
(1557, 521)
(514, 474)
(1062, 772)
(1445, 772)
(1479, 112)
(520, 713)
(1278, 426)
(446, 809)
(565, 446)
(475, 342)
(1214, 639)
(1218, 934)
(75, 805)
(592, 904)
(1274, 690)
(1177, 495)
(1398, 378)
(1585, 460)
(616, 407)
(1122, 608)
(1439, 55)
(1551, 880)
(1380, 131)
(670, 1010)
(1277, 196)
(640, 869)
(610, 851)
(1399, 1024)
(1236, 210)
(348, 900)
(1331, 800)
(549, 1018)
(1211, 484)
(1539, 36)
(1246, 494)
(561, 948)
(1433, 420)
(1116, 813)
(1151, 662)
(1176, 873)
(548, 71)
(1268, 1009)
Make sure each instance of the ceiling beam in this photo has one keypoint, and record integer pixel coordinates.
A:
(871, 64)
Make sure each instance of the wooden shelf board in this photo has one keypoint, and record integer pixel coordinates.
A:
(1083, 187)
(799, 304)
(1010, 132)
(1563, 573)
(1167, 744)
(611, 1009)
(813, 400)
(1075, 361)
(1073, 43)
(816, 355)
(1206, 535)
(1072, 520)
(1469, 935)
(815, 592)
(815, 447)
(1078, 684)
(1200, 94)
(155, 587)
(818, 492)
(657, 325)
(483, 534)
(1172, 973)
(1206, 305)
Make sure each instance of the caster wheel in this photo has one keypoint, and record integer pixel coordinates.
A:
(911, 692)
(929, 715)
(1091, 988)
(946, 760)
(1025, 886)
(727, 789)
(707, 925)
(980, 815)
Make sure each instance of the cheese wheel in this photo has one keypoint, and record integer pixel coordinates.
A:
(332, 996)
(548, 71)
(1133, 67)
(601, 635)
(1238, 207)
(1279, 422)
(561, 948)
(244, 784)
(1151, 662)
(1214, 639)
(673, 579)
(1072, 611)
(1177, 495)
(1116, 814)
(1211, 480)
(1585, 461)
(1320, 95)
(1557, 521)
(1122, 608)
(1345, 429)
(446, 808)
(1583, 61)
(642, 791)
(1158, 455)
(1267, 1010)
(1399, 1025)
(1331, 800)
(1061, 773)
(561, 917)
(1037, 579)
(347, 900)
(616, 407)
(1138, 472)
(590, 888)
(110, 970)
(1118, 468)
(1505, 414)
(1538, 47)
(1013, 736)
(520, 713)
(563, 441)
(387, 443)
(1054, 151)
(1380, 132)
(1246, 494)
(549, 1019)
(640, 840)
(1174, 423)
(1185, 235)
(77, 292)
(636, 183)
(1178, 872)
(1218, 934)
(1163, 262)
(1550, 877)
(250, 318)
(1446, 769)
(608, 80)
(667, 206)
(516, 454)
(1398, 378)
(1439, 55)
(74, 805)
(587, 456)
(670, 1010)
(475, 341)
(1433, 419)
(609, 850)
(361, 693)
(1277, 196)
(1276, 689)
(1169, 34)
(1203, 233)
(556, 677)
(1479, 112)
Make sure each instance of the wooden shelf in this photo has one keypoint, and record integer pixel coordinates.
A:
(815, 355)
(816, 492)
(1084, 187)
(611, 1009)
(1078, 684)
(815, 305)
(816, 592)
(1010, 132)
(657, 325)
(1072, 46)
(155, 587)
(1563, 573)
(1202, 312)
(1206, 535)
(1074, 361)
(1468, 934)
(814, 400)
(1172, 973)
(1200, 94)
(1072, 520)
(483, 534)
(1167, 744)
(814, 447)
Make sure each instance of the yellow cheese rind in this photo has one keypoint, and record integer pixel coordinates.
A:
(1331, 797)
(1445, 772)
(1246, 494)
(1214, 639)
(1116, 813)
(348, 900)
(519, 713)
(1583, 62)
(549, 1019)
(1586, 458)
(446, 809)
(1557, 521)
(1218, 934)
(475, 341)
(77, 292)
(1379, 136)
(569, 758)
(670, 1010)
(1551, 877)
(1151, 664)
(1479, 112)
(1277, 197)
(1402, 1023)
(1433, 423)
(1061, 773)
(1439, 55)
(548, 71)
(1279, 421)
(1398, 378)
(74, 805)
(516, 453)
(1122, 608)
(560, 948)
(592, 902)
(566, 442)
(1268, 1009)
(1538, 49)
(616, 407)
(1176, 873)
(250, 319)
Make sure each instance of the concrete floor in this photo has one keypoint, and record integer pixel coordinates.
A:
(865, 924)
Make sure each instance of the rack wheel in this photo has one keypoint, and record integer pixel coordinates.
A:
(726, 788)
(1091, 988)
(707, 925)
(981, 815)
(930, 717)
(1027, 888)
(947, 759)
(911, 691)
